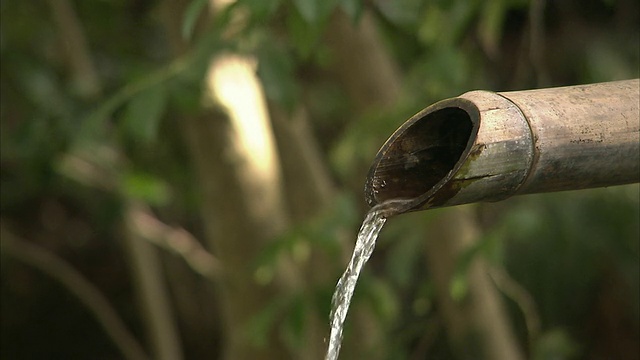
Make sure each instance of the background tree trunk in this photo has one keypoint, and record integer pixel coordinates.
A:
(242, 206)
(235, 233)
(309, 190)
(477, 324)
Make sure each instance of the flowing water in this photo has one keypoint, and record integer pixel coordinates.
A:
(365, 243)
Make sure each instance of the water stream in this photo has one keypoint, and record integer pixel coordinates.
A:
(365, 243)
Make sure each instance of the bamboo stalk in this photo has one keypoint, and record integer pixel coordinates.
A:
(485, 146)
(152, 292)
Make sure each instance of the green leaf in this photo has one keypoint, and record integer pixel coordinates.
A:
(404, 256)
(353, 9)
(460, 15)
(303, 36)
(184, 96)
(145, 187)
(295, 326)
(308, 9)
(191, 15)
(459, 287)
(143, 114)
(490, 26)
(383, 299)
(489, 247)
(324, 230)
(261, 324)
(433, 21)
(315, 12)
(276, 70)
(261, 10)
(400, 12)
(268, 257)
(555, 344)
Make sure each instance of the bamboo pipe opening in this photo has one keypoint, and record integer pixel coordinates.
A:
(423, 153)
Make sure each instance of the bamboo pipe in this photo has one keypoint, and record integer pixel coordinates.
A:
(486, 146)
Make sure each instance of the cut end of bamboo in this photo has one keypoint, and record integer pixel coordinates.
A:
(422, 153)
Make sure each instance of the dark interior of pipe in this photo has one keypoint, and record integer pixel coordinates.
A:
(419, 156)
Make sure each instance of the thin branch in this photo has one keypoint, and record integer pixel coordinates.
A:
(96, 173)
(74, 282)
(173, 239)
(74, 42)
(95, 119)
(516, 292)
(153, 297)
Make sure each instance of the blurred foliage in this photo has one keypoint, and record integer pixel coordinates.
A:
(576, 253)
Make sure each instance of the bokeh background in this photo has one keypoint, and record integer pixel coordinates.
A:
(183, 179)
